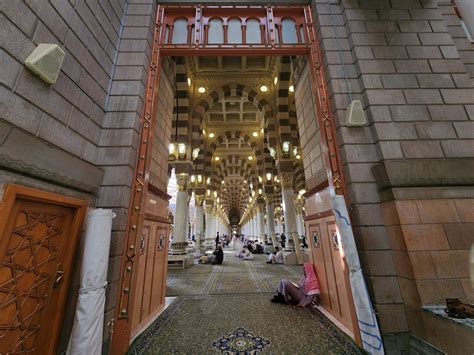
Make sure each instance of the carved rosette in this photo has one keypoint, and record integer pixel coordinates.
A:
(182, 182)
(286, 180)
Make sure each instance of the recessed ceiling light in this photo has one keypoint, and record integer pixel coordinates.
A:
(291, 88)
(216, 158)
(201, 90)
(189, 81)
(263, 88)
(255, 134)
(211, 135)
(275, 81)
(250, 157)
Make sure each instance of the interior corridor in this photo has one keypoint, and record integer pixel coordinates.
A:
(227, 308)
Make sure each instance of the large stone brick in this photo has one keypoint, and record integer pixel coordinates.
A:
(424, 52)
(435, 130)
(422, 149)
(458, 148)
(386, 290)
(399, 81)
(450, 264)
(420, 237)
(412, 66)
(435, 80)
(10, 69)
(447, 113)
(395, 131)
(423, 96)
(460, 235)
(435, 39)
(422, 265)
(376, 66)
(409, 113)
(385, 97)
(437, 211)
(458, 96)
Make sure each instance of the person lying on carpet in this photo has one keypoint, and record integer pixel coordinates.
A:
(302, 295)
(276, 257)
(216, 258)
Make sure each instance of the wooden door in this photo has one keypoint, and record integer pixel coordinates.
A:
(332, 272)
(38, 233)
(151, 275)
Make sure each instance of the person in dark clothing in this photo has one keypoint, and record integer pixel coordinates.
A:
(218, 256)
(283, 240)
(217, 239)
(305, 245)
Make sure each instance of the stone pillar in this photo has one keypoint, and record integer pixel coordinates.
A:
(299, 215)
(180, 241)
(199, 222)
(292, 241)
(271, 220)
(210, 226)
(260, 222)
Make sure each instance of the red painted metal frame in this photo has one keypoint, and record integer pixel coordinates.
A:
(198, 17)
(127, 282)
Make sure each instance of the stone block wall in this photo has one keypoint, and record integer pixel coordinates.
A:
(402, 60)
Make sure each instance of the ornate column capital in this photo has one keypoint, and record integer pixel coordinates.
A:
(198, 200)
(182, 182)
(286, 180)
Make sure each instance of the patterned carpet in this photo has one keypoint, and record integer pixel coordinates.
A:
(226, 310)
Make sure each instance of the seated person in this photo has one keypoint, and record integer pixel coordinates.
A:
(216, 258)
(245, 254)
(258, 248)
(302, 295)
(251, 248)
(276, 257)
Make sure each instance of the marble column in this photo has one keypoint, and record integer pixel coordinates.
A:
(292, 241)
(271, 220)
(180, 241)
(299, 216)
(198, 221)
(209, 241)
(260, 221)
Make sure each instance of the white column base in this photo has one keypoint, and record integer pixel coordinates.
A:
(290, 258)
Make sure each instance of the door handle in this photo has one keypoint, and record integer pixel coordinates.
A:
(58, 275)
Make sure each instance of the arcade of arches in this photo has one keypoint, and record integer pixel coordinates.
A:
(345, 126)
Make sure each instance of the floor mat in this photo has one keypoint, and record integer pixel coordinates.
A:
(240, 324)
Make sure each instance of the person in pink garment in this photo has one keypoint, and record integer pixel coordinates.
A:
(302, 295)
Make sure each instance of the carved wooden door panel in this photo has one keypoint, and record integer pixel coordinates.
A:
(37, 243)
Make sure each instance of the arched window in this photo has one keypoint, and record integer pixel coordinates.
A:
(216, 32)
(288, 31)
(253, 32)
(180, 31)
(234, 31)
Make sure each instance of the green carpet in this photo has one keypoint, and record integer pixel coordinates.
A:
(227, 309)
(234, 276)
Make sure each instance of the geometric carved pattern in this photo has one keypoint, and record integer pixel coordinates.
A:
(30, 254)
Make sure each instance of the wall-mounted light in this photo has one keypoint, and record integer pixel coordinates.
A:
(208, 192)
(216, 158)
(260, 180)
(298, 156)
(302, 192)
(211, 135)
(272, 152)
(275, 80)
(250, 157)
(215, 194)
(172, 152)
(189, 81)
(222, 182)
(263, 88)
(208, 181)
(260, 192)
(201, 90)
(181, 150)
(269, 177)
(199, 179)
(255, 134)
(285, 148)
(193, 179)
(291, 88)
(195, 153)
